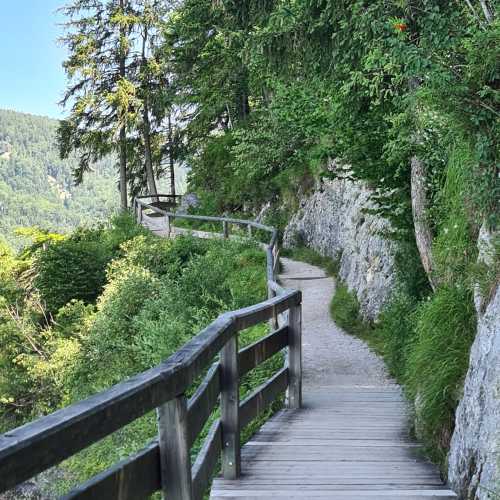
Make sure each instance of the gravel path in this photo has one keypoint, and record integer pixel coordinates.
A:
(330, 356)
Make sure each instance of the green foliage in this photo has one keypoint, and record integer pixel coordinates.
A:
(438, 361)
(74, 268)
(344, 309)
(213, 177)
(395, 332)
(368, 84)
(425, 338)
(454, 247)
(305, 254)
(155, 295)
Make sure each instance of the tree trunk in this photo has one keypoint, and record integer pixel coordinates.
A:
(146, 126)
(148, 161)
(123, 132)
(419, 204)
(171, 154)
(123, 168)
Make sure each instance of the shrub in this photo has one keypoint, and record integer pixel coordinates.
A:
(75, 267)
(72, 269)
(108, 347)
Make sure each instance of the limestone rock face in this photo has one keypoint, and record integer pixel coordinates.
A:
(474, 459)
(332, 222)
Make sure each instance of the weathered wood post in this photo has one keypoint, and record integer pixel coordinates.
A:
(138, 210)
(169, 226)
(225, 229)
(174, 449)
(230, 405)
(294, 393)
(273, 322)
(249, 229)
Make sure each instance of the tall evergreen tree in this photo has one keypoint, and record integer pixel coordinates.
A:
(98, 42)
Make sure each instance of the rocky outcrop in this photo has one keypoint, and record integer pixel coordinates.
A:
(332, 221)
(474, 459)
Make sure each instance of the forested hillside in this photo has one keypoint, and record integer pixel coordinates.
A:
(37, 188)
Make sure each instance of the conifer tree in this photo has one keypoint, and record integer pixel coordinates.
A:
(99, 93)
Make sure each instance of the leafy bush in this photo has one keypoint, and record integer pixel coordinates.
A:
(75, 267)
(72, 269)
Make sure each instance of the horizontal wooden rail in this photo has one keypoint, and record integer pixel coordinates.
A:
(263, 396)
(159, 195)
(207, 460)
(203, 402)
(121, 480)
(263, 349)
(34, 447)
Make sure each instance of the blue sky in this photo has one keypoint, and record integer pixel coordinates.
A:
(31, 77)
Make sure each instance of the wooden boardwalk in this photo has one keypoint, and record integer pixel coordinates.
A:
(351, 438)
(346, 443)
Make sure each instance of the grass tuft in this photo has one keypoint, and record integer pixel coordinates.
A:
(330, 265)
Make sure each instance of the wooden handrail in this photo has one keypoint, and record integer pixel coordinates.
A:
(36, 446)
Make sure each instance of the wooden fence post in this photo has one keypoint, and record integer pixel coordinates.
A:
(273, 322)
(230, 406)
(174, 449)
(225, 229)
(249, 229)
(294, 393)
(169, 228)
(139, 212)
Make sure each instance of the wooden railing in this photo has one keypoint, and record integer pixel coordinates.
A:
(271, 249)
(166, 464)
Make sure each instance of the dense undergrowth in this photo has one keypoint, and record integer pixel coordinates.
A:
(83, 312)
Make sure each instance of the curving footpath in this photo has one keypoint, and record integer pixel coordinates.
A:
(351, 438)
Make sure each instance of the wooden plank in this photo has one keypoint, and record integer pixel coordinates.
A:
(328, 481)
(202, 402)
(263, 349)
(305, 488)
(120, 481)
(263, 396)
(207, 460)
(278, 289)
(174, 449)
(34, 447)
(337, 442)
(230, 419)
(412, 494)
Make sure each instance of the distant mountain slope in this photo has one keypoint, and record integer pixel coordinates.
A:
(37, 188)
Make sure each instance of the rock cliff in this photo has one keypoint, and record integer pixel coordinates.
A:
(332, 221)
(474, 459)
